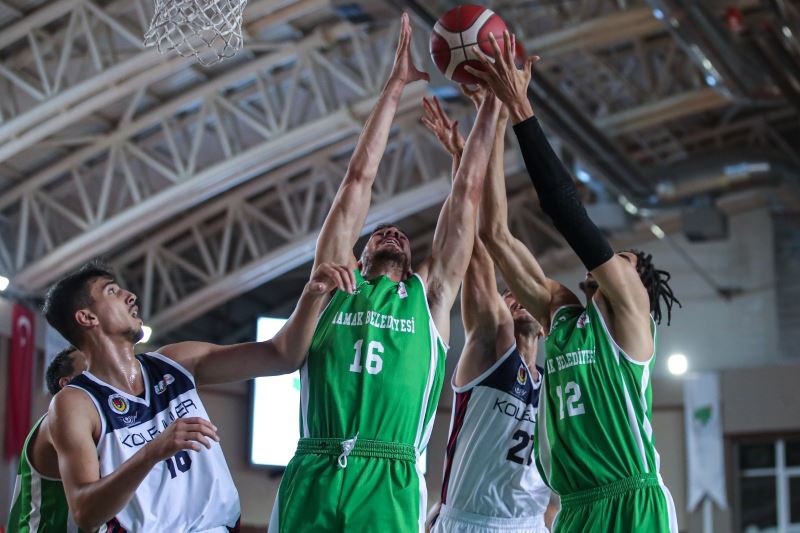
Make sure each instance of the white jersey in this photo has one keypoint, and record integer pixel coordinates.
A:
(489, 469)
(192, 491)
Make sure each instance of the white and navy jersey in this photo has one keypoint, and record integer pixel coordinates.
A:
(489, 468)
(192, 491)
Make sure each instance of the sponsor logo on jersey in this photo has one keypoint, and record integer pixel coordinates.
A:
(401, 290)
(165, 382)
(521, 412)
(118, 404)
(130, 419)
(522, 374)
(583, 320)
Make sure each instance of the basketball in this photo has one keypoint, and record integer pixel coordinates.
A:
(456, 32)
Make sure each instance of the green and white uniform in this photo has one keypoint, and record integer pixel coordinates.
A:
(39, 504)
(594, 442)
(370, 386)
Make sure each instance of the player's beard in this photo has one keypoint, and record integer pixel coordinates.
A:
(386, 258)
(134, 335)
(526, 326)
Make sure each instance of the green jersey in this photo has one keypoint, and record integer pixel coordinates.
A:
(39, 503)
(595, 407)
(375, 367)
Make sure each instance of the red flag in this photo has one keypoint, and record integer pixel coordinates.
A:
(20, 378)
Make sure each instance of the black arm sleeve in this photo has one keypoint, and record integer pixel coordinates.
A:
(559, 197)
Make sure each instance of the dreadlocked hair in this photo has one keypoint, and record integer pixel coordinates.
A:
(657, 284)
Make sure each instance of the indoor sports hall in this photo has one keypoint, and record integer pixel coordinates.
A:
(196, 147)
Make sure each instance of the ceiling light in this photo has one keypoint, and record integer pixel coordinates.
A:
(657, 231)
(677, 364)
(4, 281)
(147, 333)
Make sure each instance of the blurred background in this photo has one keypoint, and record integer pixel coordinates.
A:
(205, 188)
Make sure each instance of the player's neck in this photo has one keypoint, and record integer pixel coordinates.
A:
(528, 346)
(391, 270)
(114, 361)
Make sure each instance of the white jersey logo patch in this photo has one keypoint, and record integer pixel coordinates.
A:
(118, 404)
(165, 382)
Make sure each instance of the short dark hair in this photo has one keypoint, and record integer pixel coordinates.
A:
(69, 294)
(60, 367)
(657, 284)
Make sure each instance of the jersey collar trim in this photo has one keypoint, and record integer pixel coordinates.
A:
(144, 401)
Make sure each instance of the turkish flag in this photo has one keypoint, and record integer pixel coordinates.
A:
(20, 380)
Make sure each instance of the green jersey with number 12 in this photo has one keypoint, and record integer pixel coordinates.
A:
(595, 408)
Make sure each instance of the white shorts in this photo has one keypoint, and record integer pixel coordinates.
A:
(454, 521)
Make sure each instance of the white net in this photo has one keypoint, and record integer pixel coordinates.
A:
(210, 30)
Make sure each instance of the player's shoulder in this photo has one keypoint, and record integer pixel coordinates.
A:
(73, 406)
(68, 398)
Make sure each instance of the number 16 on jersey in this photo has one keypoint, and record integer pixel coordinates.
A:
(374, 362)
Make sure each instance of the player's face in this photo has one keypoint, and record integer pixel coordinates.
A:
(389, 243)
(518, 313)
(115, 309)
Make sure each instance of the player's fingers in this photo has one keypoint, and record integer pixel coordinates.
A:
(196, 420)
(197, 436)
(498, 54)
(480, 74)
(346, 277)
(510, 44)
(352, 277)
(208, 430)
(440, 111)
(428, 107)
(482, 58)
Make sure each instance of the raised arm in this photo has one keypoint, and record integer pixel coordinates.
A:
(74, 428)
(615, 274)
(526, 279)
(488, 324)
(346, 217)
(455, 229)
(283, 354)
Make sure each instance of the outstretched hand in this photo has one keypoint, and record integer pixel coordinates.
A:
(329, 276)
(404, 69)
(502, 76)
(446, 130)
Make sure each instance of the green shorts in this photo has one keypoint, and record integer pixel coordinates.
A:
(638, 504)
(378, 489)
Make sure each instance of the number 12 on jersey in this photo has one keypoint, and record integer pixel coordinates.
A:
(374, 363)
(572, 392)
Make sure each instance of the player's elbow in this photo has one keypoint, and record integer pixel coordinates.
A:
(82, 516)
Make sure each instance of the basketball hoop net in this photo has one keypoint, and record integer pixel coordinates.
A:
(210, 30)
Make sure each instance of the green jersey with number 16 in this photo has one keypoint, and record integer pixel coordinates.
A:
(375, 367)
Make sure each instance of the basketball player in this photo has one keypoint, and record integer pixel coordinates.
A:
(372, 379)
(39, 504)
(594, 440)
(129, 430)
(489, 482)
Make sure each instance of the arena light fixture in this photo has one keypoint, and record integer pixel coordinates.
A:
(657, 231)
(583, 176)
(677, 364)
(147, 333)
(4, 281)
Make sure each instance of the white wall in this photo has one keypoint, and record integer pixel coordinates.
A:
(714, 332)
